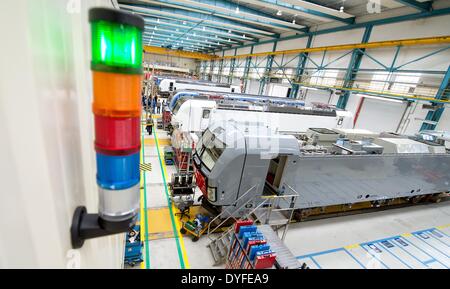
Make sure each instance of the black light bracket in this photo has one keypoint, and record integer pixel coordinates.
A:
(89, 226)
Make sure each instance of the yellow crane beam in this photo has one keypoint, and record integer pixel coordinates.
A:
(380, 93)
(370, 45)
(178, 53)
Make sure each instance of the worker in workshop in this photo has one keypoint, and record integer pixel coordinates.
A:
(149, 104)
(154, 101)
(144, 102)
(149, 126)
(158, 106)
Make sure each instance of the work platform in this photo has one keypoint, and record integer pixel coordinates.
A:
(285, 259)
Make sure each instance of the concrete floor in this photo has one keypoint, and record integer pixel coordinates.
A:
(371, 240)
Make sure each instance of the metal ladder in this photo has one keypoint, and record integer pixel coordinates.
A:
(270, 212)
(219, 246)
(263, 213)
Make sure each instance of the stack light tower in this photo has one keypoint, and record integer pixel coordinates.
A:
(117, 73)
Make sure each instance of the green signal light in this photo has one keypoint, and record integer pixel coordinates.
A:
(116, 41)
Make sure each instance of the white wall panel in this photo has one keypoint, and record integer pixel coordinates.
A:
(338, 38)
(321, 96)
(292, 44)
(378, 115)
(229, 52)
(48, 159)
(278, 90)
(170, 60)
(428, 27)
(444, 122)
(244, 50)
(268, 47)
(253, 87)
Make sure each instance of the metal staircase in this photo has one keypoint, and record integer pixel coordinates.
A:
(219, 246)
(275, 211)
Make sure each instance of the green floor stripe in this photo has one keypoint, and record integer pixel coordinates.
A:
(147, 249)
(175, 231)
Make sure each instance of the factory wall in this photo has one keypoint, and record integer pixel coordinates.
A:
(444, 123)
(392, 112)
(48, 160)
(169, 60)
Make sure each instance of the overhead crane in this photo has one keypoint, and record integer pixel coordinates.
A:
(369, 45)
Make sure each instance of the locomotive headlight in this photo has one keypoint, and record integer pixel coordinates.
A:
(212, 194)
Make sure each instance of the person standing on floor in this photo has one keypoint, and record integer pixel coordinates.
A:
(158, 107)
(155, 99)
(149, 104)
(144, 101)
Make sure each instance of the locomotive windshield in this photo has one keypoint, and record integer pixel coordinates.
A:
(178, 104)
(209, 149)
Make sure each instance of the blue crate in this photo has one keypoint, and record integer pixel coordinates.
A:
(133, 250)
(244, 229)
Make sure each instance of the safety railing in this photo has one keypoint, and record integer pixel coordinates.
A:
(273, 204)
(230, 210)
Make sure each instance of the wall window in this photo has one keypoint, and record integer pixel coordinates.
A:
(324, 77)
(406, 83)
(379, 81)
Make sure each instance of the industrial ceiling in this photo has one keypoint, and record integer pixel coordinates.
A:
(211, 25)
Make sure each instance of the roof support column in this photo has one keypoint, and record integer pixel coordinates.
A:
(303, 57)
(353, 68)
(248, 62)
(219, 76)
(266, 77)
(443, 93)
(211, 70)
(232, 66)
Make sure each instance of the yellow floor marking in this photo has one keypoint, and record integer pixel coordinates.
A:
(351, 246)
(406, 235)
(162, 142)
(142, 213)
(163, 227)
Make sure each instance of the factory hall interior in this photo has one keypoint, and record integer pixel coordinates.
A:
(225, 134)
